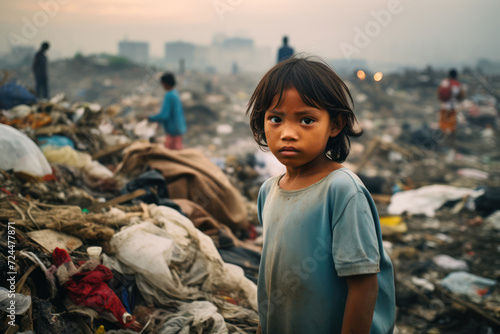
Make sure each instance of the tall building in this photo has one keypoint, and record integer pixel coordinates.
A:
(223, 55)
(177, 51)
(237, 43)
(137, 52)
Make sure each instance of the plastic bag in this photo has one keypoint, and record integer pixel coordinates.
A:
(22, 302)
(19, 152)
(447, 263)
(66, 156)
(427, 200)
(177, 261)
(195, 317)
(472, 286)
(13, 94)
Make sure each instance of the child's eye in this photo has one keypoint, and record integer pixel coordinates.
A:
(308, 121)
(275, 119)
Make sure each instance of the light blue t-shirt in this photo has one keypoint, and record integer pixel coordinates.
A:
(313, 238)
(171, 115)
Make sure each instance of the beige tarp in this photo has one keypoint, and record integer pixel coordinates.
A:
(190, 175)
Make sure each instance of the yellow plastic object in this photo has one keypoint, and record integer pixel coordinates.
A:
(392, 224)
(100, 330)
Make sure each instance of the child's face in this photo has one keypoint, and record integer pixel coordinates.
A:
(296, 133)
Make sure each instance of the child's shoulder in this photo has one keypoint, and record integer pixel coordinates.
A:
(267, 185)
(344, 182)
(341, 181)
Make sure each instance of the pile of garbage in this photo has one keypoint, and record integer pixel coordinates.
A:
(165, 221)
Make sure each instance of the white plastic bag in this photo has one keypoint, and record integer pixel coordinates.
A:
(19, 152)
(470, 285)
(177, 261)
(427, 200)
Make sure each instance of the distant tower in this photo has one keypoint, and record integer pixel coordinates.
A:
(182, 66)
(137, 52)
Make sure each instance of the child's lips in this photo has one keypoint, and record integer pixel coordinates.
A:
(289, 151)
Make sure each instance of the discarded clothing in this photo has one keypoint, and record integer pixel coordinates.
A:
(126, 289)
(245, 258)
(192, 176)
(155, 186)
(89, 288)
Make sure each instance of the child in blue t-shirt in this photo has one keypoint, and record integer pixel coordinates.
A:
(171, 115)
(323, 267)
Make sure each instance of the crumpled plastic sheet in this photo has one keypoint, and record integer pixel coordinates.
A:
(22, 302)
(428, 199)
(20, 153)
(68, 156)
(196, 317)
(176, 261)
(467, 284)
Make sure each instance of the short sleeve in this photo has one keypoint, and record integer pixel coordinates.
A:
(261, 199)
(354, 241)
(260, 205)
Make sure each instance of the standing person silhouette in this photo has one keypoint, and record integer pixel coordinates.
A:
(285, 51)
(40, 72)
(450, 93)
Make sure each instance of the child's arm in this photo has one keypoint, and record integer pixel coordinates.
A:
(360, 304)
(164, 113)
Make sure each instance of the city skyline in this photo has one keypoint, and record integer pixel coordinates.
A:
(398, 32)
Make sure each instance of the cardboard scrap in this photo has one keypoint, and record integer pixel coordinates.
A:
(50, 239)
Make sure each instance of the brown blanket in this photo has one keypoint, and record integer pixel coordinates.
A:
(192, 176)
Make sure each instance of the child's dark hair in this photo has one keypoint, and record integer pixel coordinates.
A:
(319, 87)
(168, 79)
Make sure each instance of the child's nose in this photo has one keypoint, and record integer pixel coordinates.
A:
(289, 132)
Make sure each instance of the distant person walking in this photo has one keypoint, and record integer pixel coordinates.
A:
(450, 93)
(285, 51)
(171, 116)
(40, 72)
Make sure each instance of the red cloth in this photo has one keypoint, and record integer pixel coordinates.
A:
(60, 256)
(90, 289)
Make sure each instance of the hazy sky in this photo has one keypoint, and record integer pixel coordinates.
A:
(418, 32)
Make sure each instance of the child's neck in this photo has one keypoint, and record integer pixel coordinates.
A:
(304, 176)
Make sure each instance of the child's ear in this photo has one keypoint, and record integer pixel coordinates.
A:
(337, 126)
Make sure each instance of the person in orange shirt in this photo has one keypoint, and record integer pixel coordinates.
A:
(450, 93)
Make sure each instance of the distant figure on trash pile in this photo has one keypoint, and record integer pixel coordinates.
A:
(285, 51)
(450, 93)
(323, 267)
(171, 116)
(40, 72)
